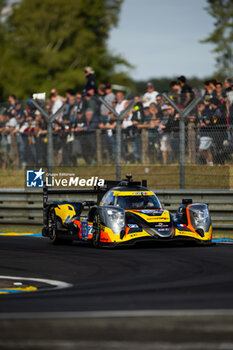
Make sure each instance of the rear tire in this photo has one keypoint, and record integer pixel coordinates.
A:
(53, 230)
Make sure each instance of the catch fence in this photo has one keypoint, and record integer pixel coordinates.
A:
(99, 147)
(197, 137)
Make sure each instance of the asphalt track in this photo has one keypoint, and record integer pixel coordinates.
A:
(160, 294)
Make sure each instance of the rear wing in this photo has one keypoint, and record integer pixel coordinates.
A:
(50, 191)
(98, 190)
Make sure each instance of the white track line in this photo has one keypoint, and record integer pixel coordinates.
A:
(54, 283)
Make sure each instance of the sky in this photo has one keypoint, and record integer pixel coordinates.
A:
(161, 38)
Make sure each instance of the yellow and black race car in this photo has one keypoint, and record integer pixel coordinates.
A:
(127, 213)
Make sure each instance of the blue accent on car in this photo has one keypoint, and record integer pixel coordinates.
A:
(84, 229)
(10, 291)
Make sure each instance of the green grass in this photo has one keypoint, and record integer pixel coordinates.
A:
(21, 228)
(222, 235)
(158, 176)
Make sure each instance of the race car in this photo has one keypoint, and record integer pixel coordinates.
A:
(127, 213)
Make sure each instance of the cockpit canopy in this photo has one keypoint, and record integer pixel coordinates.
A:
(131, 199)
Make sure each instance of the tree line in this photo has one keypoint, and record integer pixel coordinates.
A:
(46, 44)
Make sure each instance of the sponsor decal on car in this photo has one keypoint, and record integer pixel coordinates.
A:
(133, 225)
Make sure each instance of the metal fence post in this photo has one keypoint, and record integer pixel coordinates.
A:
(191, 143)
(98, 147)
(119, 118)
(183, 114)
(182, 151)
(118, 150)
(49, 120)
(144, 148)
(49, 149)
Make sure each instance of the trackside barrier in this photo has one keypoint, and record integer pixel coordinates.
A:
(19, 206)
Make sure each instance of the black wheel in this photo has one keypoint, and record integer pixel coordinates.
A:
(96, 231)
(53, 230)
(52, 227)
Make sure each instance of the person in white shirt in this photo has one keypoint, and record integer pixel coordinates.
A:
(109, 97)
(10, 125)
(149, 96)
(56, 103)
(121, 102)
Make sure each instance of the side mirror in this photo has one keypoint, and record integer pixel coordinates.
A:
(187, 201)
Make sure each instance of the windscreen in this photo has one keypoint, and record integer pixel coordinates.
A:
(138, 202)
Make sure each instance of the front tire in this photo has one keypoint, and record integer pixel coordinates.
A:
(96, 231)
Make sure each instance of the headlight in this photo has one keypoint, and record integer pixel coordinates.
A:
(200, 216)
(116, 220)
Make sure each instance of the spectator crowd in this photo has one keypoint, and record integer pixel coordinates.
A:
(23, 129)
